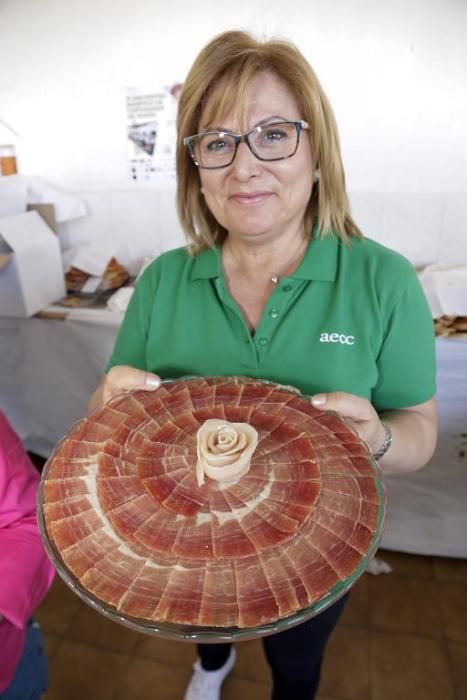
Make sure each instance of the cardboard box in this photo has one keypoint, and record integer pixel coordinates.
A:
(47, 212)
(31, 270)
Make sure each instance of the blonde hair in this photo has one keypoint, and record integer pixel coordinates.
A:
(218, 80)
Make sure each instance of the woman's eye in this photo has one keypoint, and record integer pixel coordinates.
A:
(216, 145)
(274, 134)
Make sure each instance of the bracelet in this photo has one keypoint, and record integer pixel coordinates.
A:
(386, 444)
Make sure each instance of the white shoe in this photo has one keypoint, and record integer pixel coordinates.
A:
(206, 685)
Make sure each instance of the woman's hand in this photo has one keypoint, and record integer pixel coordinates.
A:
(358, 412)
(413, 428)
(120, 379)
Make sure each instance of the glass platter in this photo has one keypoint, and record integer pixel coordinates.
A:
(192, 633)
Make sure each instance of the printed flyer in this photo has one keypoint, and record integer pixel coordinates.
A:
(151, 133)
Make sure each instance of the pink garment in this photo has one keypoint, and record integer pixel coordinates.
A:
(25, 571)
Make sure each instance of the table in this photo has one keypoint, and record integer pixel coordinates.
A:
(48, 372)
(50, 368)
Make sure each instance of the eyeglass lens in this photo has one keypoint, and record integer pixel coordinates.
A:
(268, 142)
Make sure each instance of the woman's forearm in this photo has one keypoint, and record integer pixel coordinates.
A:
(413, 438)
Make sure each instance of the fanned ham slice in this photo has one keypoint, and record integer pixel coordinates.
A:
(143, 594)
(260, 532)
(229, 539)
(57, 510)
(179, 404)
(350, 507)
(194, 538)
(130, 404)
(148, 467)
(228, 394)
(362, 487)
(295, 449)
(84, 555)
(108, 465)
(113, 574)
(298, 471)
(282, 586)
(114, 491)
(256, 601)
(62, 489)
(91, 431)
(181, 599)
(108, 417)
(219, 606)
(343, 466)
(187, 497)
(340, 556)
(128, 521)
(203, 398)
(75, 528)
(159, 531)
(354, 533)
(127, 518)
(67, 468)
(77, 450)
(313, 571)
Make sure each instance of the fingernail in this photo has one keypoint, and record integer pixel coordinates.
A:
(153, 382)
(318, 400)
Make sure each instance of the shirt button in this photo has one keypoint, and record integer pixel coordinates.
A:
(263, 341)
(286, 287)
(274, 313)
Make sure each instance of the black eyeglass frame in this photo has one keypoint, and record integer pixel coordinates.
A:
(244, 138)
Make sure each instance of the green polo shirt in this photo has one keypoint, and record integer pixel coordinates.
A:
(351, 318)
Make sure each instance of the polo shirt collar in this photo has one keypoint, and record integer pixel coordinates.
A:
(320, 259)
(319, 262)
(207, 264)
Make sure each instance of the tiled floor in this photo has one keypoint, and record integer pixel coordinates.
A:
(403, 636)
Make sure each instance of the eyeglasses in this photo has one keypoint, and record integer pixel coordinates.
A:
(217, 149)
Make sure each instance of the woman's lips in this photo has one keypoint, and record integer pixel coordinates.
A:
(250, 198)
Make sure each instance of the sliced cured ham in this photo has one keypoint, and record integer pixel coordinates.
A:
(128, 520)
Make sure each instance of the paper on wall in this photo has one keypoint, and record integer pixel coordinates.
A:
(151, 133)
(445, 287)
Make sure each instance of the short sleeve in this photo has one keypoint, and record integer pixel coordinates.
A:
(131, 343)
(406, 361)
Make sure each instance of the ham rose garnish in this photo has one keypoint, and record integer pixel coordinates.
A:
(224, 450)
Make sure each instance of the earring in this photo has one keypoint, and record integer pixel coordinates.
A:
(316, 175)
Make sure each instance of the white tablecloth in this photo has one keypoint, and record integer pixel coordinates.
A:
(48, 372)
(50, 368)
(427, 510)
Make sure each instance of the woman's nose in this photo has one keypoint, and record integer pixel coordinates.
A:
(245, 164)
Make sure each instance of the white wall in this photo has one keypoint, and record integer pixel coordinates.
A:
(395, 71)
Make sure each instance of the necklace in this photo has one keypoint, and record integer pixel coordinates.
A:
(276, 276)
(290, 264)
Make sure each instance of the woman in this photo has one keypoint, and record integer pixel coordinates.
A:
(25, 574)
(279, 283)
